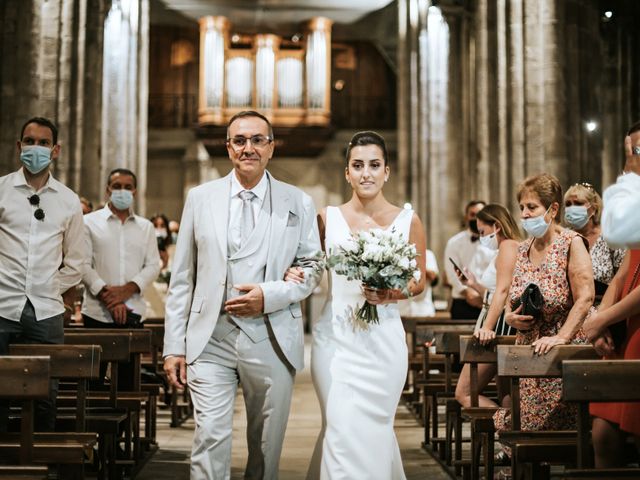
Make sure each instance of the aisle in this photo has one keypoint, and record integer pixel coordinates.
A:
(172, 459)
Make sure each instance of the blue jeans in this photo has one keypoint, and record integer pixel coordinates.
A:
(29, 330)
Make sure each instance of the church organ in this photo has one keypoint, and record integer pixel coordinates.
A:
(286, 79)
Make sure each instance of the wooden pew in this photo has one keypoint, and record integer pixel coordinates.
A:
(531, 449)
(27, 379)
(442, 388)
(481, 419)
(106, 412)
(431, 385)
(21, 472)
(586, 381)
(68, 362)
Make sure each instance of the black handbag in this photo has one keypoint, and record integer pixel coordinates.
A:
(532, 301)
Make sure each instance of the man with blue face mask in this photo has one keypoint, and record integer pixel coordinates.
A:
(124, 261)
(43, 251)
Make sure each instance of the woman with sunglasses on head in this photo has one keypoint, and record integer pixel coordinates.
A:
(499, 233)
(583, 207)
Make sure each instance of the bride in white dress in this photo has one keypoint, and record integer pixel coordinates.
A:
(359, 373)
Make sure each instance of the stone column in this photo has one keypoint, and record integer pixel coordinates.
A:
(403, 105)
(124, 92)
(51, 66)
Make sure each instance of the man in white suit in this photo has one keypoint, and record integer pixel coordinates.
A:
(230, 317)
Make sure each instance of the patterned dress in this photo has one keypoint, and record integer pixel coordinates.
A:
(541, 403)
(605, 260)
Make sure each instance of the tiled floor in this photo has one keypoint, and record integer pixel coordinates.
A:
(172, 459)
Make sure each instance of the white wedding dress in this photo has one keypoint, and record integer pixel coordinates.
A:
(358, 376)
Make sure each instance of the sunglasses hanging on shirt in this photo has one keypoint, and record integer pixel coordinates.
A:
(35, 201)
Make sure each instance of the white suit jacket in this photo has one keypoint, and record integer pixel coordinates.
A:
(199, 268)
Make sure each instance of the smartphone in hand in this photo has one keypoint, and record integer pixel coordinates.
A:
(458, 270)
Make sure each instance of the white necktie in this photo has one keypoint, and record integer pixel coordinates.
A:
(247, 222)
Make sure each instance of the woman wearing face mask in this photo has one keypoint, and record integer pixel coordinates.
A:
(583, 207)
(500, 233)
(558, 262)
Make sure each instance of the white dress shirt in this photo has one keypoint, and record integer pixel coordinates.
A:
(235, 205)
(467, 254)
(621, 213)
(120, 253)
(39, 259)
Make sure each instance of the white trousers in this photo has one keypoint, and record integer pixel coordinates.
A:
(267, 385)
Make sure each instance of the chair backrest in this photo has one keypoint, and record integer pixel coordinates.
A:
(77, 362)
(448, 338)
(67, 361)
(601, 380)
(521, 361)
(586, 381)
(115, 346)
(26, 379)
(140, 338)
(471, 351)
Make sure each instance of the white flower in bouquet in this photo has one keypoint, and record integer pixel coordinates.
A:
(380, 259)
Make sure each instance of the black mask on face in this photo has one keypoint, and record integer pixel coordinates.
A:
(473, 226)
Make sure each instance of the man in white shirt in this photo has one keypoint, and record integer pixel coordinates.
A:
(620, 219)
(42, 254)
(124, 261)
(467, 253)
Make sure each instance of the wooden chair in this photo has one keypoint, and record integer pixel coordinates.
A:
(532, 449)
(24, 379)
(21, 472)
(480, 419)
(68, 362)
(438, 387)
(586, 381)
(107, 412)
(30, 380)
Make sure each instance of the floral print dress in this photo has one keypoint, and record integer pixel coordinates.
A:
(605, 260)
(541, 403)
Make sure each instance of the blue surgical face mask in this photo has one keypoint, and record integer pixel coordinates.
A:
(35, 158)
(576, 216)
(536, 226)
(490, 241)
(121, 199)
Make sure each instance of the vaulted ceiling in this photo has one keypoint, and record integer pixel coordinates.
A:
(272, 13)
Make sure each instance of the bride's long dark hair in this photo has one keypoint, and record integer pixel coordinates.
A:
(361, 139)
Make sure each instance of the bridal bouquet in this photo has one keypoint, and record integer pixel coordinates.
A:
(380, 259)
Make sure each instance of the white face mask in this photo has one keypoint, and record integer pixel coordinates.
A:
(577, 216)
(536, 226)
(121, 199)
(490, 241)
